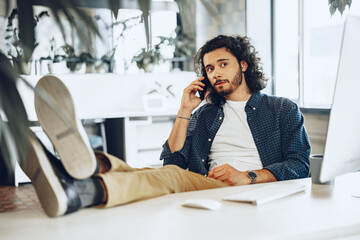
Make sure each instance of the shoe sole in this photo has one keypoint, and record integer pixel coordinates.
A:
(48, 188)
(64, 129)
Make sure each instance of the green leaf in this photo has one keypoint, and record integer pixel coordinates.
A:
(145, 7)
(88, 20)
(26, 27)
(170, 91)
(332, 10)
(153, 91)
(7, 151)
(158, 84)
(7, 7)
(114, 7)
(341, 6)
(13, 107)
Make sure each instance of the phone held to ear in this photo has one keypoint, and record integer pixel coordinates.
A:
(203, 92)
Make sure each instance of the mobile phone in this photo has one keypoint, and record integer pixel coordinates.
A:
(207, 84)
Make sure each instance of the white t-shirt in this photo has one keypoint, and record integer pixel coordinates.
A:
(234, 143)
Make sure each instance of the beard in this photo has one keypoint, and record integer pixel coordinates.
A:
(234, 84)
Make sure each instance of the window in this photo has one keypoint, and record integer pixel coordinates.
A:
(307, 42)
(131, 40)
(286, 54)
(261, 39)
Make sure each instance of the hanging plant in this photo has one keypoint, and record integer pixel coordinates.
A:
(338, 5)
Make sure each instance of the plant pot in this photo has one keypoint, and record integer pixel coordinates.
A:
(90, 68)
(57, 67)
(148, 67)
(22, 67)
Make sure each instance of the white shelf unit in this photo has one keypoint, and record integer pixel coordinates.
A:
(144, 137)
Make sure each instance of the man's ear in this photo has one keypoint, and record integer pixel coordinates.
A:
(243, 65)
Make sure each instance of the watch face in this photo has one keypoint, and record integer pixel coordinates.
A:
(252, 175)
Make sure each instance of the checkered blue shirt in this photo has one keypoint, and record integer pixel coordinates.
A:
(276, 124)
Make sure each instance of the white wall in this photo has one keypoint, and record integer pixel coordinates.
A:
(112, 95)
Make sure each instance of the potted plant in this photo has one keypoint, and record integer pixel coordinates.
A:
(162, 94)
(183, 45)
(147, 59)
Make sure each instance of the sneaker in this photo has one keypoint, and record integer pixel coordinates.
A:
(54, 187)
(57, 117)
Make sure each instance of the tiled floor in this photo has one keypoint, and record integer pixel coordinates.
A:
(18, 198)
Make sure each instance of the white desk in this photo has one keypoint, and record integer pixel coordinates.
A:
(322, 212)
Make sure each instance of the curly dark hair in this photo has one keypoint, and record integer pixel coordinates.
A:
(242, 49)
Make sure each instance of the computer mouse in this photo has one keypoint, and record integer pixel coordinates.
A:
(202, 203)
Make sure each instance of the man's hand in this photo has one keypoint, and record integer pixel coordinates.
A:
(229, 175)
(189, 100)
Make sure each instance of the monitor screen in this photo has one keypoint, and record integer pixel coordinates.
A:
(342, 148)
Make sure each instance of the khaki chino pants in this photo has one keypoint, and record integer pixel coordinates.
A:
(125, 184)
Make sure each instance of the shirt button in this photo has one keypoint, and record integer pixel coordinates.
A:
(205, 175)
(187, 169)
(202, 160)
(254, 108)
(220, 118)
(209, 139)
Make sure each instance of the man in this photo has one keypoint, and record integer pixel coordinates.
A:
(240, 136)
(82, 179)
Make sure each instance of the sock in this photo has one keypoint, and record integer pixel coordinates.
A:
(91, 191)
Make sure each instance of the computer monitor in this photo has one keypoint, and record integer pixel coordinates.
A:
(342, 148)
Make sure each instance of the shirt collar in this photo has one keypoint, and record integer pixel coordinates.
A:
(222, 102)
(254, 100)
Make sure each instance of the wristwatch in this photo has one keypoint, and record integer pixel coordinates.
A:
(253, 176)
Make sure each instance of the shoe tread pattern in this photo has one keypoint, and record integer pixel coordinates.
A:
(64, 129)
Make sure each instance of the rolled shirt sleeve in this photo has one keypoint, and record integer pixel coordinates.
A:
(180, 158)
(295, 146)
